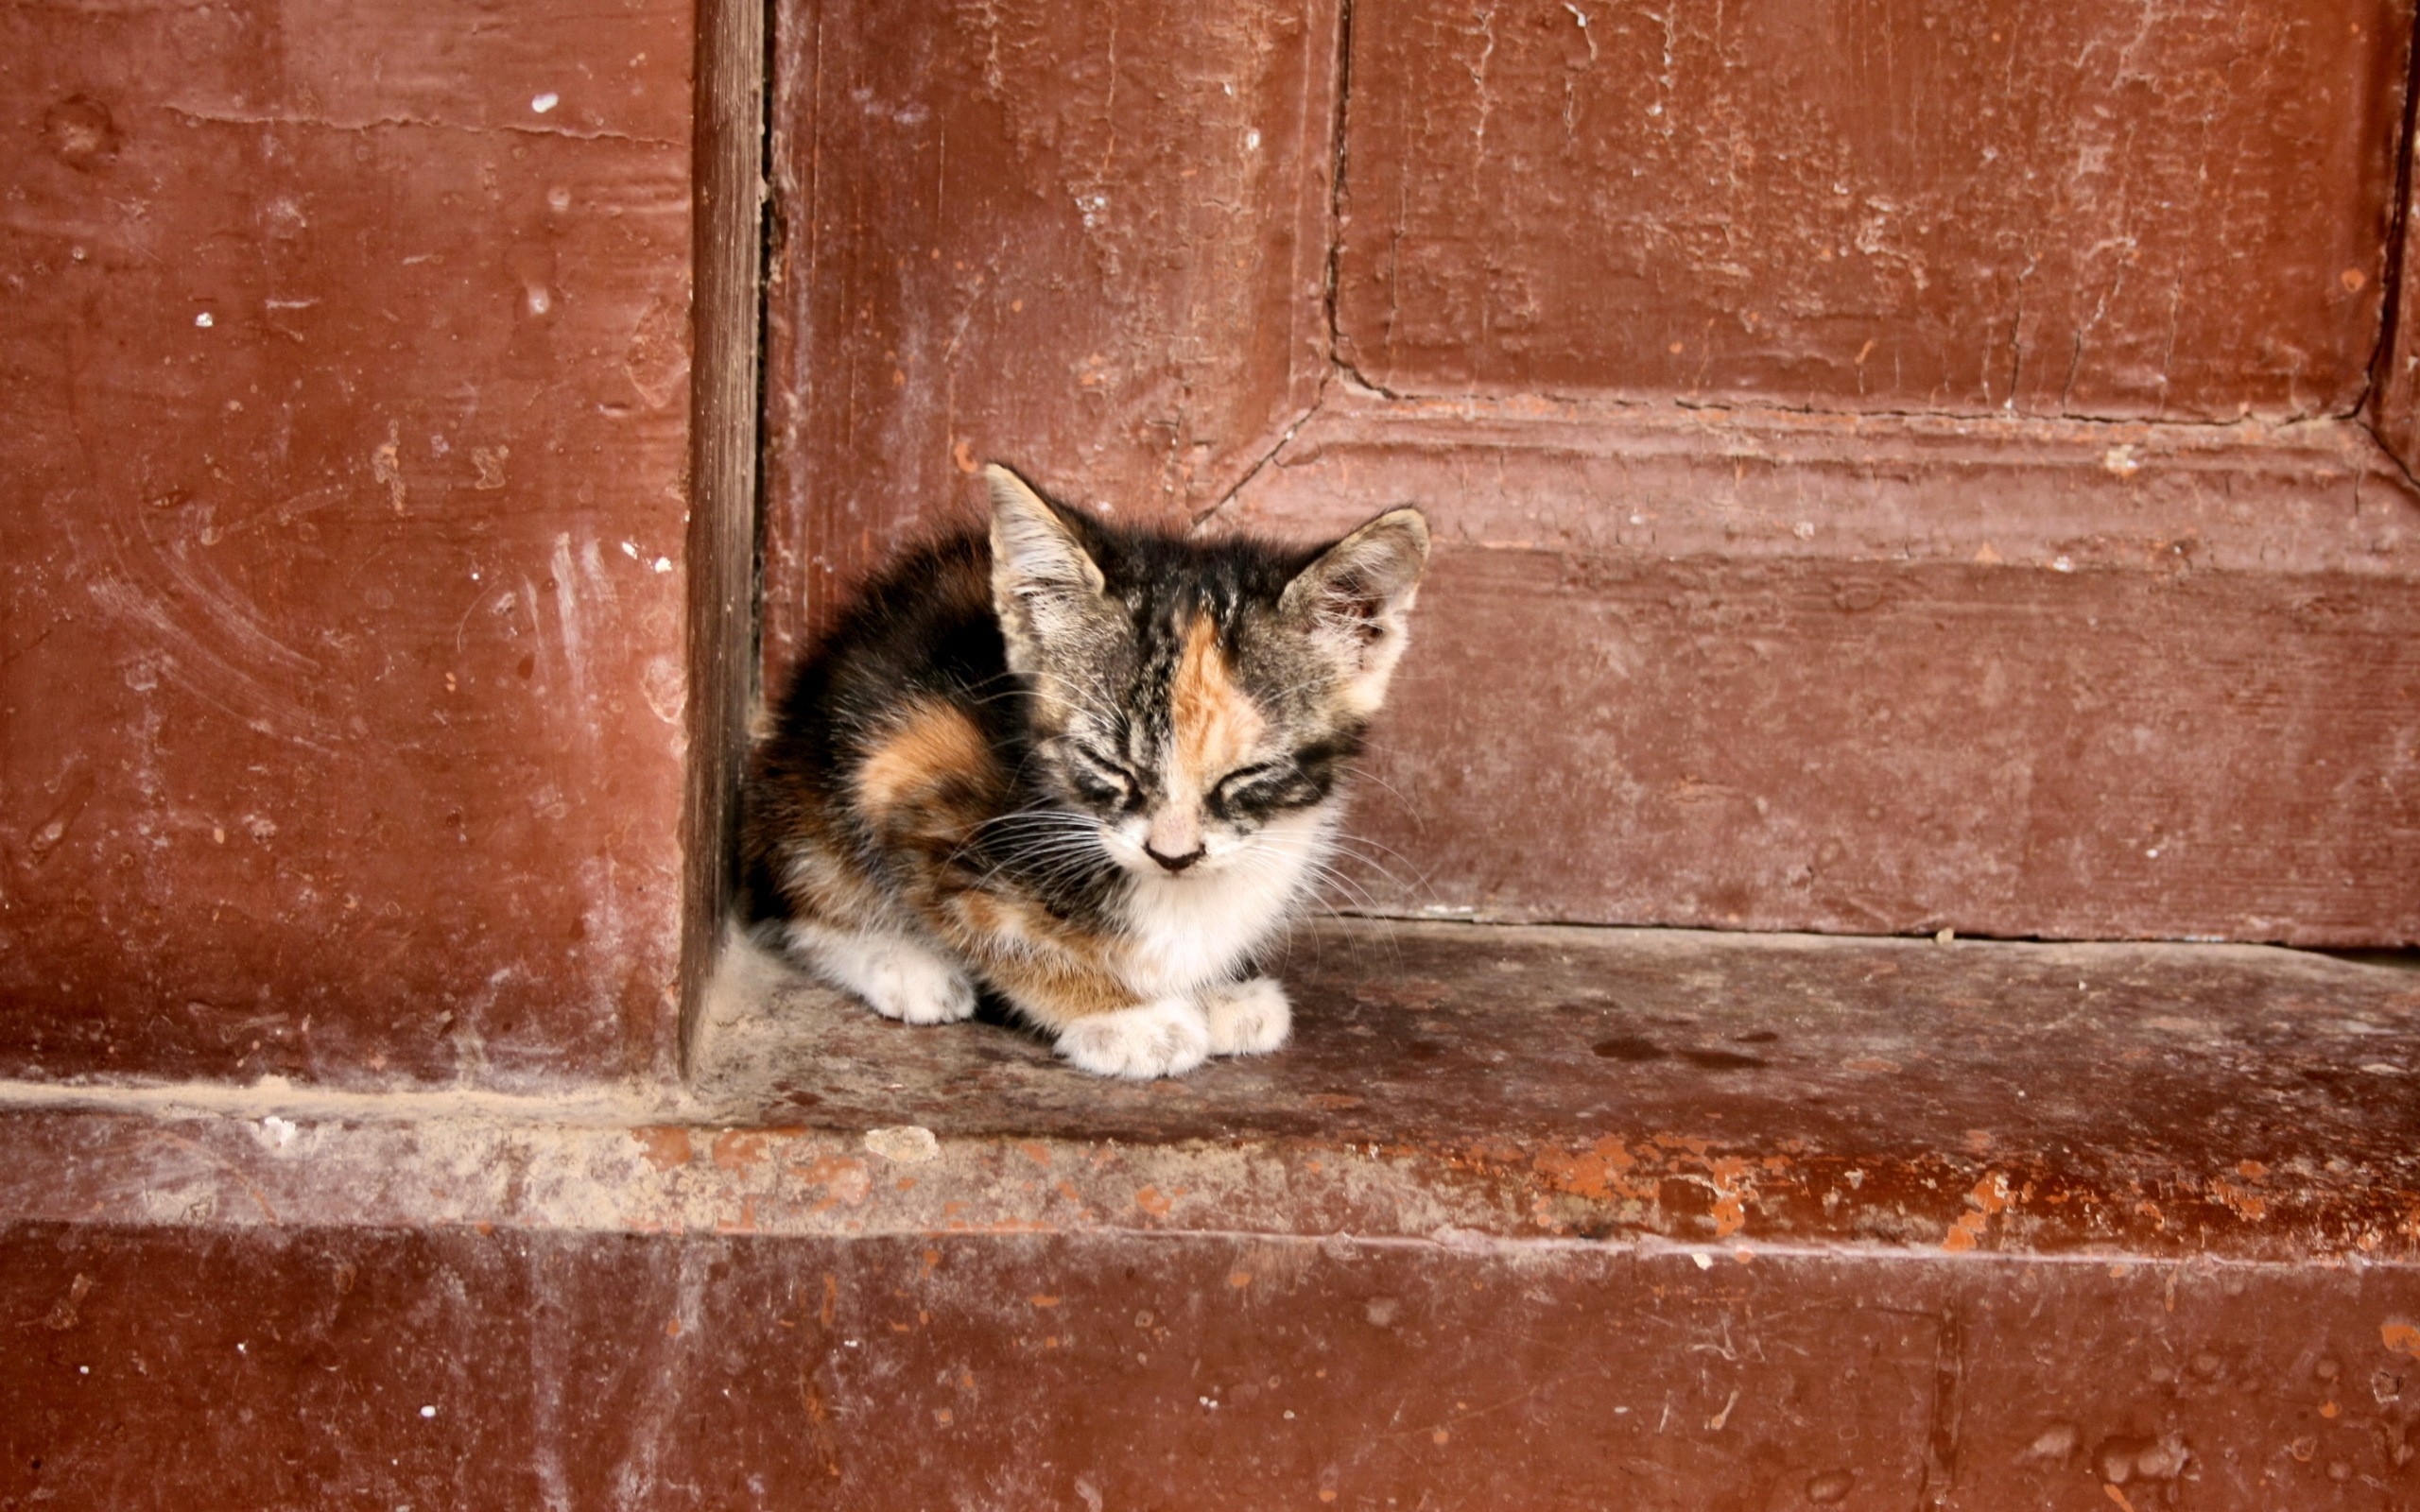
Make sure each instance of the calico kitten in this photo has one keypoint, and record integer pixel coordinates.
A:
(1089, 768)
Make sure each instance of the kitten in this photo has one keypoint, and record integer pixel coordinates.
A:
(1089, 768)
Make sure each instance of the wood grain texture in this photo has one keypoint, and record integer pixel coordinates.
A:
(2174, 213)
(1787, 672)
(725, 457)
(1086, 240)
(346, 375)
(2393, 409)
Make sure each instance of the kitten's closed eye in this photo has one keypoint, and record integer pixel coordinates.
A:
(1243, 778)
(1263, 788)
(1101, 780)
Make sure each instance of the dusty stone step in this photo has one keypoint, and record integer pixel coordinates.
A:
(1527, 1217)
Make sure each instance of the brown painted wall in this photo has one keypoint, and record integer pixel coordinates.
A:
(341, 508)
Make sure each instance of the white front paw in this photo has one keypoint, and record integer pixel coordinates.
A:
(1164, 1038)
(898, 977)
(1247, 1017)
(913, 987)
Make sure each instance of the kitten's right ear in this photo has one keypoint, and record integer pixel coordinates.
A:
(1355, 597)
(1043, 582)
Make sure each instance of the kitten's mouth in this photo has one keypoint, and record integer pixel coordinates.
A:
(1153, 871)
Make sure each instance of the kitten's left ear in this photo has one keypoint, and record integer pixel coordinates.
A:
(1355, 597)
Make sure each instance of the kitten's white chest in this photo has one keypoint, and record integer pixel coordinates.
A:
(1185, 932)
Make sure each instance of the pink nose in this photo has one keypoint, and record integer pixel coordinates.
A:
(1174, 838)
(1174, 863)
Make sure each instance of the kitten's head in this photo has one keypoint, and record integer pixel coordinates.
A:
(1199, 701)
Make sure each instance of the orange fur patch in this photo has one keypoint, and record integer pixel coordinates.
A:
(1216, 723)
(1058, 993)
(1056, 972)
(996, 925)
(934, 746)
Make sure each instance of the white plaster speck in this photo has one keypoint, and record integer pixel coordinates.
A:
(428, 1412)
(907, 1143)
(631, 550)
(1706, 1262)
(278, 1132)
(205, 321)
(2062, 565)
(545, 102)
(662, 565)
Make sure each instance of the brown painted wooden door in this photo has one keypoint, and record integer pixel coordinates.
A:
(1898, 465)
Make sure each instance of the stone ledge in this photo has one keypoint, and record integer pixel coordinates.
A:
(1456, 1084)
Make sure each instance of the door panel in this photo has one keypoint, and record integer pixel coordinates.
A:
(1790, 672)
(2066, 209)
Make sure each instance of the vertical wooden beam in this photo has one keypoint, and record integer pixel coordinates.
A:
(727, 312)
(2393, 408)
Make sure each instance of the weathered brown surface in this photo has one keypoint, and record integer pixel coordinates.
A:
(1527, 1219)
(341, 656)
(353, 1367)
(1088, 240)
(1653, 1087)
(1774, 671)
(2078, 210)
(2231, 1102)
